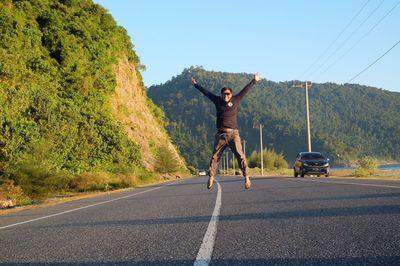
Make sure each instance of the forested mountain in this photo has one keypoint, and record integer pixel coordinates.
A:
(68, 79)
(347, 121)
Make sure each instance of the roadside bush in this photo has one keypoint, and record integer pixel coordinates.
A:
(254, 171)
(366, 166)
(124, 181)
(280, 162)
(33, 179)
(165, 160)
(369, 163)
(361, 172)
(104, 181)
(254, 160)
(284, 172)
(271, 160)
(145, 176)
(9, 191)
(192, 170)
(93, 181)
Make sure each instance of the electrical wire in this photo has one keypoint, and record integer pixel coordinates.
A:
(348, 38)
(358, 41)
(337, 37)
(365, 69)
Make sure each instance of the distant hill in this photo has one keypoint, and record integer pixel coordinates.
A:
(347, 121)
(71, 94)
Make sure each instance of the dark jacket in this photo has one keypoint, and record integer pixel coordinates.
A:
(226, 112)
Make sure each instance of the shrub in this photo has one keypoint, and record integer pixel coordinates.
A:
(369, 163)
(102, 181)
(192, 170)
(280, 162)
(271, 160)
(254, 160)
(366, 166)
(9, 191)
(361, 172)
(124, 181)
(33, 179)
(92, 181)
(166, 160)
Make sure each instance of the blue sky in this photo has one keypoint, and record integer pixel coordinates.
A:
(321, 41)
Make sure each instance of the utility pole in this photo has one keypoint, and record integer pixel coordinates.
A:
(227, 162)
(223, 163)
(233, 163)
(261, 155)
(258, 125)
(306, 85)
(244, 148)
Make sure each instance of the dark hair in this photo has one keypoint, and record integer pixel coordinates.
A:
(226, 88)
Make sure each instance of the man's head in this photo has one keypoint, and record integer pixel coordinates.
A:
(226, 94)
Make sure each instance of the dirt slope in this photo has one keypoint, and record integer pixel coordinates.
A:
(131, 108)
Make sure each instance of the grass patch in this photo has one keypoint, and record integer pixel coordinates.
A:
(377, 174)
(347, 173)
(44, 186)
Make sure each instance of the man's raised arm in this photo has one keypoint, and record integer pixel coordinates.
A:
(243, 92)
(207, 93)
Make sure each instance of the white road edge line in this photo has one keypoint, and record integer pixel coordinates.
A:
(350, 183)
(204, 255)
(83, 207)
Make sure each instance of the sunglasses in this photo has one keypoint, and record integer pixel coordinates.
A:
(226, 94)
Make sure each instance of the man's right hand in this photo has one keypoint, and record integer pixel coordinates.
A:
(257, 77)
(194, 82)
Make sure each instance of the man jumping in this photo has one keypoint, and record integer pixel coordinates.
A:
(228, 133)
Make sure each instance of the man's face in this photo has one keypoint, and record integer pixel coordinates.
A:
(226, 96)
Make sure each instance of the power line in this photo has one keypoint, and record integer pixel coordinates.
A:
(373, 63)
(358, 41)
(348, 38)
(337, 37)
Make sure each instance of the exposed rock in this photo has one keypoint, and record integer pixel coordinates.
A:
(6, 204)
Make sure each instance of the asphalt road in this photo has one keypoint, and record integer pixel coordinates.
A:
(280, 221)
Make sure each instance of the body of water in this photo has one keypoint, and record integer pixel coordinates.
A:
(389, 167)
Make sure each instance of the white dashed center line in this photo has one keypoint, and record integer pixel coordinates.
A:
(204, 255)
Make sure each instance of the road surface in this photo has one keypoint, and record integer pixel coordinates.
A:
(280, 221)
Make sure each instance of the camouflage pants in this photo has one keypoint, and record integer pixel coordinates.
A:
(223, 140)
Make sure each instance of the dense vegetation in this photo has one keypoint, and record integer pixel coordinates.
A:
(271, 160)
(348, 121)
(56, 80)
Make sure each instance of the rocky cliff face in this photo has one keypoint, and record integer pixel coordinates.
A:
(135, 111)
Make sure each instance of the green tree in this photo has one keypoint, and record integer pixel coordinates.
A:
(165, 162)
